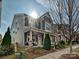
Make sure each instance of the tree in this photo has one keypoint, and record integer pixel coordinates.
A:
(65, 12)
(7, 38)
(47, 42)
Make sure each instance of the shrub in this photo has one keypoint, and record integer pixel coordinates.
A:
(61, 44)
(7, 38)
(68, 42)
(4, 50)
(47, 42)
(74, 42)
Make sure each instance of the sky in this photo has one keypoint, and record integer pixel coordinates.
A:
(12, 7)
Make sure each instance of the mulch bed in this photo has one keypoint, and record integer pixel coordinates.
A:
(69, 56)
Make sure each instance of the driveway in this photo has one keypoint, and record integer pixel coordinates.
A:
(57, 54)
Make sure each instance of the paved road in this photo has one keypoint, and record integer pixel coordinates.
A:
(56, 55)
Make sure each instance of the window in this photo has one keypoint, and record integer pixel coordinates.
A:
(16, 21)
(26, 21)
(25, 37)
(47, 26)
(17, 26)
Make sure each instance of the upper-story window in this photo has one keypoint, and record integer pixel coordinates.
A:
(16, 21)
(26, 21)
(47, 26)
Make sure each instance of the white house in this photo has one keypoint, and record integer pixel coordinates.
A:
(26, 29)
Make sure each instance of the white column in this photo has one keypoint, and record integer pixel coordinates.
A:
(27, 38)
(35, 39)
(44, 35)
(55, 39)
(30, 39)
(61, 37)
(39, 41)
(51, 39)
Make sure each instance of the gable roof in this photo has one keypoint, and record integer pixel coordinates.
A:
(46, 15)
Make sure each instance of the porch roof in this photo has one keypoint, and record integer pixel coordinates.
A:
(40, 31)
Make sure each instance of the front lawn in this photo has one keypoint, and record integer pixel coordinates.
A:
(37, 52)
(76, 50)
(34, 52)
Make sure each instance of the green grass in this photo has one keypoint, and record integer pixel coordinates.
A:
(76, 50)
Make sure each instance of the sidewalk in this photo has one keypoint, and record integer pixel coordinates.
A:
(56, 55)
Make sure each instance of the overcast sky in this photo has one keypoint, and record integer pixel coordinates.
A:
(11, 7)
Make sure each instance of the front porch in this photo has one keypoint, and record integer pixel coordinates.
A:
(36, 38)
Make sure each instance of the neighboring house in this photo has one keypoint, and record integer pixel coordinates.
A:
(61, 31)
(26, 29)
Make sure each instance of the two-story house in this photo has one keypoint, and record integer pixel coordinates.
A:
(26, 29)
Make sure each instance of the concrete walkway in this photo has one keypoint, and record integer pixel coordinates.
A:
(56, 55)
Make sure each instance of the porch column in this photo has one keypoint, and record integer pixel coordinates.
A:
(39, 41)
(35, 40)
(27, 38)
(55, 43)
(30, 39)
(55, 40)
(44, 35)
(51, 39)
